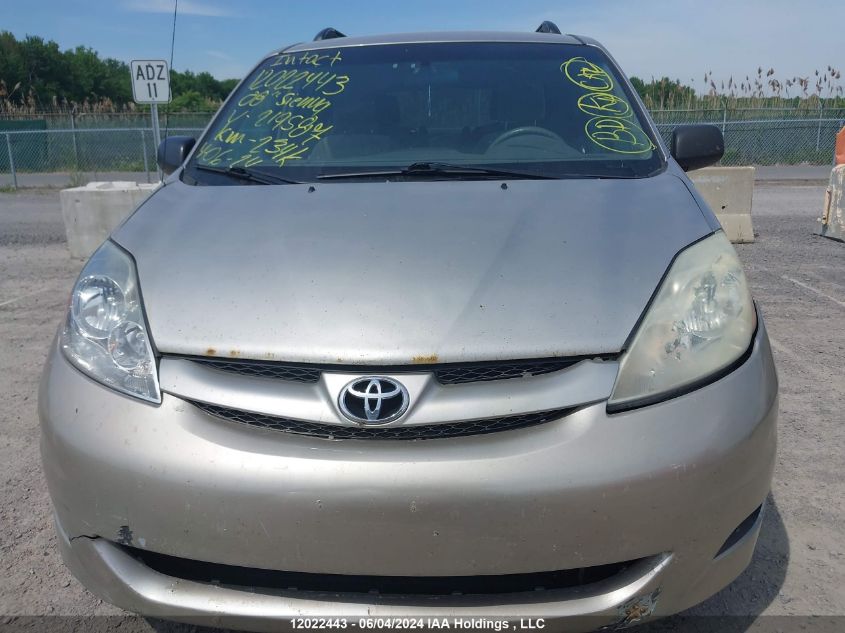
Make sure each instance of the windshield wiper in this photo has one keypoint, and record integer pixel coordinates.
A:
(244, 173)
(439, 169)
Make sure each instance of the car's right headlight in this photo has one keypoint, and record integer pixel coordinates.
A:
(700, 322)
(105, 334)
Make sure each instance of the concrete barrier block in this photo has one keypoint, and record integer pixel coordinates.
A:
(729, 191)
(92, 212)
(833, 214)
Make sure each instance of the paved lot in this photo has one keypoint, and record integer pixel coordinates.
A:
(798, 279)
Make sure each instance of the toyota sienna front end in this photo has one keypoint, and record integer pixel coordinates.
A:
(422, 325)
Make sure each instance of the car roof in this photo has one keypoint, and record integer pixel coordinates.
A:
(439, 37)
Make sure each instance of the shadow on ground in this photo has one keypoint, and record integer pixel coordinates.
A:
(738, 606)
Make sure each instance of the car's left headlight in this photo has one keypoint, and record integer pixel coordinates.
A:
(105, 334)
(700, 322)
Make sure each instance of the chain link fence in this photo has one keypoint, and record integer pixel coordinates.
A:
(70, 149)
(82, 151)
(773, 141)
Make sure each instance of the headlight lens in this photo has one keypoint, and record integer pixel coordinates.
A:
(98, 305)
(700, 322)
(105, 334)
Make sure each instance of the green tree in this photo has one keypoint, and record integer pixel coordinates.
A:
(36, 74)
(663, 93)
(45, 69)
(191, 101)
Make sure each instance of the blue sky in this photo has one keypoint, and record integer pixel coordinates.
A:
(679, 38)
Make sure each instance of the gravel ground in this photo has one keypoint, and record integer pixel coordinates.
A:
(797, 278)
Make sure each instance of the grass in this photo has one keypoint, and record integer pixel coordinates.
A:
(77, 179)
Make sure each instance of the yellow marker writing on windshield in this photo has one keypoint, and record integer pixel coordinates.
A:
(618, 135)
(611, 126)
(603, 104)
(586, 74)
(229, 135)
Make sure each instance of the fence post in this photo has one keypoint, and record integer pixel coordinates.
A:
(819, 132)
(75, 145)
(144, 150)
(11, 161)
(724, 115)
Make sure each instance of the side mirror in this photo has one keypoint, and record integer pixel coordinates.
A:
(697, 146)
(173, 151)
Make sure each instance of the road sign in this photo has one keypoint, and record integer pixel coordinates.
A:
(151, 84)
(150, 81)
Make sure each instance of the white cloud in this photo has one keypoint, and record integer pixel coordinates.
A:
(186, 7)
(219, 55)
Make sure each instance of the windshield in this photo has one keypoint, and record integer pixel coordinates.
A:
(550, 110)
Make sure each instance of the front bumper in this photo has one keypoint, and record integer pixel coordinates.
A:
(666, 485)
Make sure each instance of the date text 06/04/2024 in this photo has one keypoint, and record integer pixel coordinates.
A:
(375, 623)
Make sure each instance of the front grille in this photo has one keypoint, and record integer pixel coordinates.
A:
(263, 369)
(481, 372)
(253, 578)
(446, 374)
(420, 432)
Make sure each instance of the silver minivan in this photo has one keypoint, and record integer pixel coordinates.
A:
(422, 325)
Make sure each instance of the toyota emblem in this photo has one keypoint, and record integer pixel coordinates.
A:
(373, 400)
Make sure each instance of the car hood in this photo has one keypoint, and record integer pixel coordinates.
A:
(406, 272)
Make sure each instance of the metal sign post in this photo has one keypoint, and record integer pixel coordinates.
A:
(156, 129)
(151, 85)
